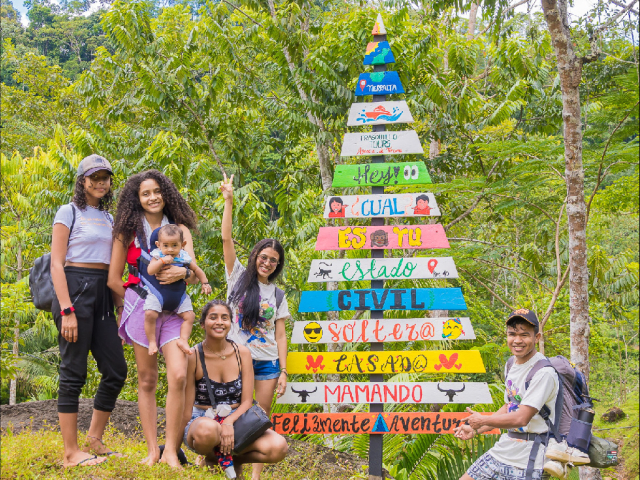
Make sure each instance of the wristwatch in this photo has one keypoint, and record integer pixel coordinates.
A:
(188, 274)
(67, 311)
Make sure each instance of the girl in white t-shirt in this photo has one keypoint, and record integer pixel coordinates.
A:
(259, 308)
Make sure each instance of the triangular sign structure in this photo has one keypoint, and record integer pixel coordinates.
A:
(380, 425)
(378, 28)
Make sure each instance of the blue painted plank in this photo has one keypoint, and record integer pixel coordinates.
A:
(383, 299)
(378, 83)
(378, 53)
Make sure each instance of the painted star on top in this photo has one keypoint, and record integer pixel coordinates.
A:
(378, 28)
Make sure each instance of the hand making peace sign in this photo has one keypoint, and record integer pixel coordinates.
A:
(226, 187)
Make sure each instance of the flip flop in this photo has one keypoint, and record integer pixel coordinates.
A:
(92, 457)
(182, 458)
(106, 454)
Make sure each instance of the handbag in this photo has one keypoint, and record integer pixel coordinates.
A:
(40, 283)
(249, 426)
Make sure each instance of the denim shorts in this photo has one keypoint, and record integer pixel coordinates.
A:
(266, 369)
(195, 413)
(488, 468)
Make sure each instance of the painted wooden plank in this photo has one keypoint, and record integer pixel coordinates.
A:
(383, 330)
(357, 269)
(381, 174)
(378, 53)
(379, 113)
(378, 27)
(388, 392)
(429, 361)
(381, 143)
(382, 237)
(382, 299)
(378, 83)
(370, 423)
(381, 206)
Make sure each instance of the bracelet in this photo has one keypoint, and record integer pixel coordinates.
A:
(119, 306)
(284, 370)
(206, 283)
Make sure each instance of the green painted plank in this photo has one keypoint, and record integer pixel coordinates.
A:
(381, 174)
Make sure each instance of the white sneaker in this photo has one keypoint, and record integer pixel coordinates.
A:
(563, 453)
(556, 469)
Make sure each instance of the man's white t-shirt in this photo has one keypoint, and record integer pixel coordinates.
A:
(261, 340)
(542, 390)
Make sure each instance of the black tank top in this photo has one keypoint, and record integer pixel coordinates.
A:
(225, 393)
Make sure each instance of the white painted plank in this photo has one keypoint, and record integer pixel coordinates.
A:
(381, 143)
(357, 269)
(383, 330)
(381, 206)
(379, 113)
(388, 392)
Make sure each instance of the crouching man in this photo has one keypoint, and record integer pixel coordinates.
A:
(519, 454)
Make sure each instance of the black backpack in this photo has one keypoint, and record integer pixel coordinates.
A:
(40, 284)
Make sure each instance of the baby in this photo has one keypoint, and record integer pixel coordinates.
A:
(170, 251)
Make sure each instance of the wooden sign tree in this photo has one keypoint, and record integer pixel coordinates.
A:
(376, 238)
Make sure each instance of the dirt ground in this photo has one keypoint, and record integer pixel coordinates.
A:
(321, 462)
(39, 415)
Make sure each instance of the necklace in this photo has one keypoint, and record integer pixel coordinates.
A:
(223, 357)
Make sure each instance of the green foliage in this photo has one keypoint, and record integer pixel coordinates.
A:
(194, 88)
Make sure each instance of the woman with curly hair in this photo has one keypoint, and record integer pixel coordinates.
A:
(83, 309)
(148, 201)
(259, 308)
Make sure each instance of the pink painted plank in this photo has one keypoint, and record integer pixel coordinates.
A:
(389, 236)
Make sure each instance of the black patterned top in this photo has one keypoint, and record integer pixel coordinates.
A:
(225, 393)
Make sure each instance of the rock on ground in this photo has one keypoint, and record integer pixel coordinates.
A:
(613, 414)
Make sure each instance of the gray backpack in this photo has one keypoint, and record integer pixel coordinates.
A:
(40, 284)
(573, 394)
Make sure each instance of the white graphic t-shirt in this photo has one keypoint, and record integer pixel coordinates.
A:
(260, 340)
(542, 390)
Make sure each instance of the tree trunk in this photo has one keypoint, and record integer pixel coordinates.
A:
(16, 332)
(471, 28)
(570, 71)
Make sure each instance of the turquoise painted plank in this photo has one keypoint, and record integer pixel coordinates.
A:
(383, 299)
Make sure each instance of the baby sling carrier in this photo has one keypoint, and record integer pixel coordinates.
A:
(573, 395)
(171, 295)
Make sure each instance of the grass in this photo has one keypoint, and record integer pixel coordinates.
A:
(38, 455)
(624, 432)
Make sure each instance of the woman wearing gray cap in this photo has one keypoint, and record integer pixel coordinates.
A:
(83, 309)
